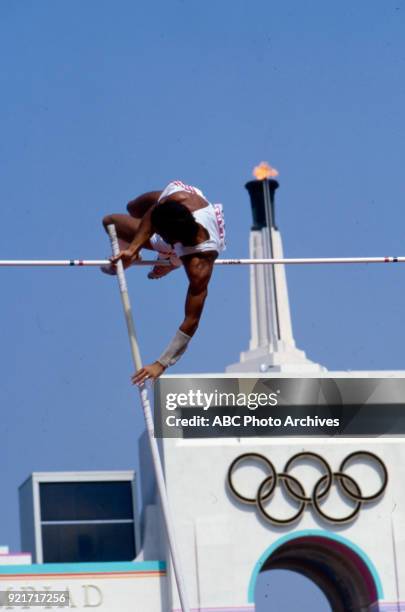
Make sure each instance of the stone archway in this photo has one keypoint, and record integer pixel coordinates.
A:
(344, 574)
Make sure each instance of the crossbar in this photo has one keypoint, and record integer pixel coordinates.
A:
(219, 262)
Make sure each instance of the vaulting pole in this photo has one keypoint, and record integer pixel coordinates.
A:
(219, 262)
(143, 392)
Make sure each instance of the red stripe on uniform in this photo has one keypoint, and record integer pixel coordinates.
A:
(184, 186)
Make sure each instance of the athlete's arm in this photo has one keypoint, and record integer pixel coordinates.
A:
(199, 270)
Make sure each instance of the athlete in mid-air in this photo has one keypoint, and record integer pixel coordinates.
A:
(185, 229)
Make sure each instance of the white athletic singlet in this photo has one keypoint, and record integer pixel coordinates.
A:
(210, 217)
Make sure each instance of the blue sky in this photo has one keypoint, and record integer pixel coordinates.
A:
(101, 101)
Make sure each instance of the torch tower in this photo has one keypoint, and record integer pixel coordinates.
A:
(272, 345)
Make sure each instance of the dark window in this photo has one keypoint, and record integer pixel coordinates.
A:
(88, 542)
(80, 501)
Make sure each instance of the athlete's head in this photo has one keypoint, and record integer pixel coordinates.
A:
(175, 223)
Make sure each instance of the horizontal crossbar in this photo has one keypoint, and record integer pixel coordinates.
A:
(218, 262)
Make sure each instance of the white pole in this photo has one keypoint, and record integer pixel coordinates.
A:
(219, 262)
(143, 392)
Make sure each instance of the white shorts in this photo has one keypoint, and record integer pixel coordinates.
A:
(158, 244)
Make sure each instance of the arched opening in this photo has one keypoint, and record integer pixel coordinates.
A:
(288, 591)
(341, 571)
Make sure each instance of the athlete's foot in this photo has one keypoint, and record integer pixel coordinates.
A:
(109, 269)
(161, 271)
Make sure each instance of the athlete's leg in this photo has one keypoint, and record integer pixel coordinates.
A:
(165, 253)
(138, 208)
(126, 227)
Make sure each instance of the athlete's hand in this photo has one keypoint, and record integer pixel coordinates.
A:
(127, 256)
(149, 372)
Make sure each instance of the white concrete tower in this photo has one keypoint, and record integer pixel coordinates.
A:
(272, 346)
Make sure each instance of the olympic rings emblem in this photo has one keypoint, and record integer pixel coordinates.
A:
(347, 485)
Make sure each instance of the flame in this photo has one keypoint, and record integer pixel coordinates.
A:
(264, 171)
